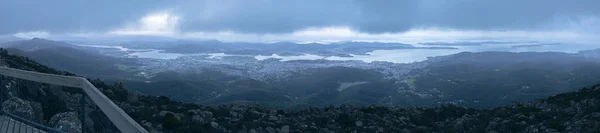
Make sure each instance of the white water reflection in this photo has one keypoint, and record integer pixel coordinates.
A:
(120, 48)
(290, 58)
(156, 54)
(398, 56)
(415, 55)
(395, 56)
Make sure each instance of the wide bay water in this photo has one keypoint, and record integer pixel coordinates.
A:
(395, 56)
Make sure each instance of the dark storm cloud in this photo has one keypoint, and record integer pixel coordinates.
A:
(70, 15)
(284, 16)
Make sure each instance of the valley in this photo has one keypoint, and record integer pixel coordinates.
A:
(566, 112)
(473, 79)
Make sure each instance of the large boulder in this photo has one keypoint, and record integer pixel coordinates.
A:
(23, 108)
(66, 121)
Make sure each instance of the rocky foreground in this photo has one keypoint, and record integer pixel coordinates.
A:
(57, 107)
(571, 112)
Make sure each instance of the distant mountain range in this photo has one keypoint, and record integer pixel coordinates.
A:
(65, 56)
(34, 44)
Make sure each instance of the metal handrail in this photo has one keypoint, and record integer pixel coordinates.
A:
(115, 114)
(31, 123)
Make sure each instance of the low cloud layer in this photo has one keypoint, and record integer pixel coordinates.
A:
(289, 16)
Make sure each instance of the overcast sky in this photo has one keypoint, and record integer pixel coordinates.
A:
(272, 20)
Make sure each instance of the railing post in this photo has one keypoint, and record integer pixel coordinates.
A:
(82, 113)
(116, 115)
(2, 97)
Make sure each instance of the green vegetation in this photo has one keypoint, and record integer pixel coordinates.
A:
(170, 121)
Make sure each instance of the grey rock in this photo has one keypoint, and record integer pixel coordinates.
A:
(163, 113)
(159, 127)
(19, 107)
(207, 114)
(358, 123)
(252, 131)
(66, 121)
(214, 124)
(146, 123)
(197, 119)
(273, 118)
(270, 130)
(233, 114)
(178, 116)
